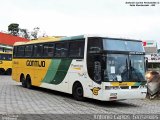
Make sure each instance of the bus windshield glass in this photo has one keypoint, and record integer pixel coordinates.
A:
(124, 60)
(121, 67)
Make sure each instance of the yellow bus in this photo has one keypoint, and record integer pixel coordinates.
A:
(5, 63)
(88, 66)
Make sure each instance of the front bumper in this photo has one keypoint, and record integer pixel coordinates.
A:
(121, 94)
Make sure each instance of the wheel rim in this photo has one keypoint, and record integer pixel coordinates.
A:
(79, 91)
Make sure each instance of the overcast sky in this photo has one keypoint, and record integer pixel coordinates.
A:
(114, 18)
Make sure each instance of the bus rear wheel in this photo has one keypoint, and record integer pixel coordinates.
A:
(78, 92)
(2, 71)
(23, 82)
(28, 82)
(8, 71)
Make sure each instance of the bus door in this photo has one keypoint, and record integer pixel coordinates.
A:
(96, 67)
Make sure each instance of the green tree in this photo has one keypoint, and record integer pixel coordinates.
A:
(24, 33)
(13, 29)
(34, 33)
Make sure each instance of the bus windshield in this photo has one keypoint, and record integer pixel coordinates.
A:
(112, 59)
(120, 67)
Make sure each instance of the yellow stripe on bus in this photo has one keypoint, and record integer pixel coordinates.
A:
(123, 83)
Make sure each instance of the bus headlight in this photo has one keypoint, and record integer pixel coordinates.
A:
(112, 87)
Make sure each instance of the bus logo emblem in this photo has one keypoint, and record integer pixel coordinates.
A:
(95, 90)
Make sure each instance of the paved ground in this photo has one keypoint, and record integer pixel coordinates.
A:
(14, 99)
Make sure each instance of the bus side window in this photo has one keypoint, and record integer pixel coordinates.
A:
(38, 50)
(3, 57)
(9, 56)
(94, 45)
(28, 50)
(76, 49)
(15, 51)
(61, 50)
(6, 57)
(48, 50)
(20, 51)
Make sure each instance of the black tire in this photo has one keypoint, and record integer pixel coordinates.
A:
(8, 71)
(28, 83)
(2, 71)
(23, 82)
(78, 92)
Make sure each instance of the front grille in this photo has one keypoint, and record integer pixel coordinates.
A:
(134, 87)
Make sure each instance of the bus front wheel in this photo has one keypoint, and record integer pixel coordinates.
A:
(78, 92)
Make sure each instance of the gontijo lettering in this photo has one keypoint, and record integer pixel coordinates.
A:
(35, 63)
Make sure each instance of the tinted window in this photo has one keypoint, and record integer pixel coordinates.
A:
(61, 50)
(121, 45)
(5, 57)
(76, 49)
(38, 50)
(14, 51)
(20, 51)
(48, 50)
(94, 45)
(28, 50)
(135, 46)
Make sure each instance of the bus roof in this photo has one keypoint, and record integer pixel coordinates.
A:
(94, 35)
(51, 39)
(104, 36)
(38, 41)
